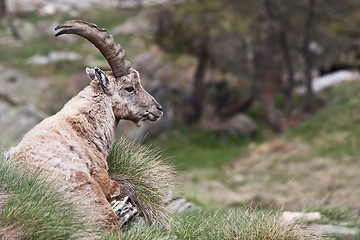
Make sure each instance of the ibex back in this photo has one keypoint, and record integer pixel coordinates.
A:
(71, 146)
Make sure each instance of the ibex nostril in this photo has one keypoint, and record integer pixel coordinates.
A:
(159, 108)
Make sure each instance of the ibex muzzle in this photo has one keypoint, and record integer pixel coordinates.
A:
(122, 85)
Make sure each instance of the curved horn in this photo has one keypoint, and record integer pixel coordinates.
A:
(105, 43)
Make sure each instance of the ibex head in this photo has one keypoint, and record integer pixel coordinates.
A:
(122, 85)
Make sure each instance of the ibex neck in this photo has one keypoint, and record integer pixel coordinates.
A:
(90, 115)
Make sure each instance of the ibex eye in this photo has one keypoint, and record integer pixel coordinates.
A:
(129, 89)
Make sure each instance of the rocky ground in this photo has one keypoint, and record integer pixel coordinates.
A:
(290, 186)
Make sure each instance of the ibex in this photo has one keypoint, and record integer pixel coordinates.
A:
(71, 146)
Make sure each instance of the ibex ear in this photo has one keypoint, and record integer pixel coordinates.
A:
(91, 73)
(102, 79)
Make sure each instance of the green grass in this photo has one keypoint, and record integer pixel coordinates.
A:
(144, 232)
(335, 130)
(188, 149)
(239, 224)
(223, 224)
(36, 209)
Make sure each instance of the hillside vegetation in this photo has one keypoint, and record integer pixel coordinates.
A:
(239, 186)
(313, 167)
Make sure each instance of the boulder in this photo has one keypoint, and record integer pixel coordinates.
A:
(19, 88)
(141, 23)
(239, 125)
(20, 98)
(16, 121)
(180, 205)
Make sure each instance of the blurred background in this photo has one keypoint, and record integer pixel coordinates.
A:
(261, 97)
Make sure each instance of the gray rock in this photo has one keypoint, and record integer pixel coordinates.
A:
(325, 229)
(239, 125)
(139, 24)
(180, 205)
(19, 88)
(20, 93)
(15, 122)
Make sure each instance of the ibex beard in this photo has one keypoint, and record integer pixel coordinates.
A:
(71, 147)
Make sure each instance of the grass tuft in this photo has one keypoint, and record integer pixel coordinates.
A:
(143, 176)
(240, 224)
(146, 232)
(36, 208)
(225, 224)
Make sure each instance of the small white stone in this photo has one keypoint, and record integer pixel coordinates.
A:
(292, 217)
